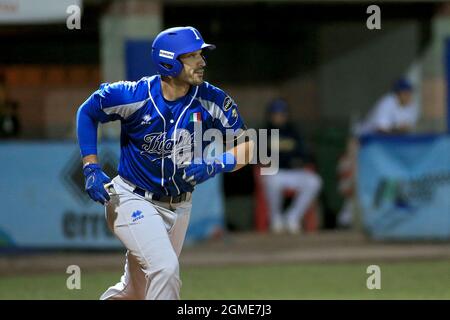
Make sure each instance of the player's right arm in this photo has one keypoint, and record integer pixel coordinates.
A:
(101, 106)
(87, 124)
(91, 158)
(111, 102)
(88, 116)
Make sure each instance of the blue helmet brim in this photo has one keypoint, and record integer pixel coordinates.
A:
(196, 47)
(208, 46)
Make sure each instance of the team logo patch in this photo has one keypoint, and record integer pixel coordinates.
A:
(227, 103)
(137, 215)
(233, 119)
(166, 54)
(146, 119)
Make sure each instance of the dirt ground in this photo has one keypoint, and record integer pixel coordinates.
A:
(243, 248)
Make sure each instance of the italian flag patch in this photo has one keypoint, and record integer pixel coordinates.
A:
(195, 117)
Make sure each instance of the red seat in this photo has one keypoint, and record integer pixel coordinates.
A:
(310, 221)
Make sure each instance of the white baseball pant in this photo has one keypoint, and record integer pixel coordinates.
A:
(153, 233)
(307, 185)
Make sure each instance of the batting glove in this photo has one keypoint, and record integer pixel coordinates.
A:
(95, 182)
(198, 173)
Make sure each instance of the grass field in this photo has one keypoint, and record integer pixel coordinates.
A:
(399, 280)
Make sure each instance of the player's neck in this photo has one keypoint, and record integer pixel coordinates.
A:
(173, 89)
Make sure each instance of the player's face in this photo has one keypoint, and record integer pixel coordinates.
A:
(404, 97)
(279, 119)
(193, 68)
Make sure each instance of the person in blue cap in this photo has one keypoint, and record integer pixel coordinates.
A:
(291, 175)
(395, 113)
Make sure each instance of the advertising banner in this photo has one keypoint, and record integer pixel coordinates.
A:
(404, 187)
(37, 11)
(44, 204)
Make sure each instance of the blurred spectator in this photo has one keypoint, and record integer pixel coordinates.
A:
(292, 175)
(394, 113)
(9, 120)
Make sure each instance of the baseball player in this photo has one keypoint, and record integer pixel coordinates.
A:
(396, 112)
(147, 205)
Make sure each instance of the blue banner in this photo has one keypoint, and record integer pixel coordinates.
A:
(43, 204)
(138, 58)
(404, 187)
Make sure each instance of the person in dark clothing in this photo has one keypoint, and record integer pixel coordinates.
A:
(292, 173)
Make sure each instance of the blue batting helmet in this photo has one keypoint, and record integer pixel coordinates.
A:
(171, 43)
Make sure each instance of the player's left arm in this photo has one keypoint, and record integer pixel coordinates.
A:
(231, 160)
(230, 121)
(244, 151)
(227, 119)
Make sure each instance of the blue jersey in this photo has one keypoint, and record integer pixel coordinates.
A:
(150, 127)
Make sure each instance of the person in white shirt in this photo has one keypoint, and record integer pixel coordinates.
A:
(395, 113)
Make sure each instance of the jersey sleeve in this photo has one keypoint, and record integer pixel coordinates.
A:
(226, 116)
(119, 100)
(112, 101)
(116, 101)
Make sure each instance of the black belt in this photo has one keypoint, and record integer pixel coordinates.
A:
(176, 199)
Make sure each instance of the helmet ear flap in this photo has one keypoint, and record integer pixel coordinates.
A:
(174, 68)
(167, 67)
